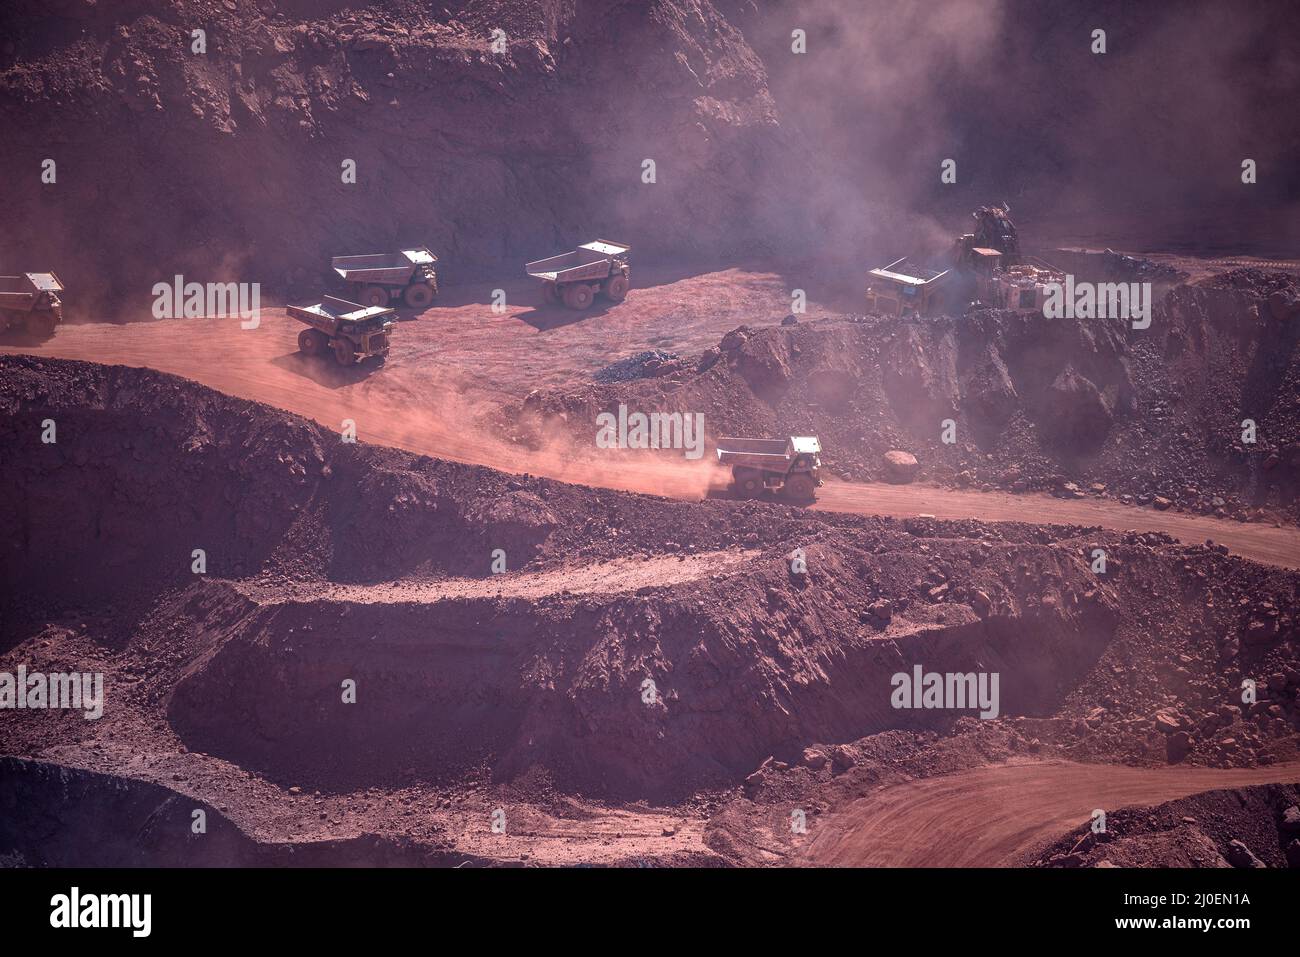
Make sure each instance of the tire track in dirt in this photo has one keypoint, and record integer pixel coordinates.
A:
(997, 816)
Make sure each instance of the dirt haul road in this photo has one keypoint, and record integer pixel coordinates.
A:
(997, 816)
(440, 379)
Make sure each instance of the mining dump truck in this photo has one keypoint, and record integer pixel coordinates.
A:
(986, 268)
(351, 331)
(904, 288)
(574, 278)
(409, 276)
(790, 466)
(31, 301)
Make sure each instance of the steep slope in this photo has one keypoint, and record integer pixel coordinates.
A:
(485, 145)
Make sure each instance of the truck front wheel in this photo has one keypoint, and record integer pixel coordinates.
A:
(42, 324)
(418, 295)
(344, 352)
(800, 488)
(616, 288)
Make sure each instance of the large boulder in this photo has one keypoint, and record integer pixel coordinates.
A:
(900, 467)
(1075, 409)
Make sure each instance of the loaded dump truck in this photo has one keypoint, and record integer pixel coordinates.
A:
(352, 332)
(985, 267)
(409, 276)
(790, 466)
(32, 302)
(574, 278)
(904, 288)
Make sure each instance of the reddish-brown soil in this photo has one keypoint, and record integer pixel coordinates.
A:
(525, 691)
(648, 681)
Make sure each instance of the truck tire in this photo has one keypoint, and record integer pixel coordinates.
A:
(417, 295)
(800, 488)
(312, 342)
(616, 288)
(373, 296)
(344, 352)
(550, 294)
(748, 482)
(578, 296)
(41, 324)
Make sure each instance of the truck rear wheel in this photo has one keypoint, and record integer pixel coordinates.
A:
(616, 288)
(417, 295)
(344, 353)
(578, 296)
(312, 342)
(373, 296)
(800, 488)
(748, 482)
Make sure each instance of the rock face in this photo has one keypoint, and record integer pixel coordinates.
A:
(920, 374)
(901, 467)
(988, 390)
(407, 92)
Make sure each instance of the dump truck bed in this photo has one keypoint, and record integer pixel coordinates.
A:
(908, 273)
(766, 452)
(734, 447)
(328, 314)
(589, 261)
(383, 269)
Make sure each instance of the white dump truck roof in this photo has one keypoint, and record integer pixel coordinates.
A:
(805, 445)
(421, 256)
(605, 247)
